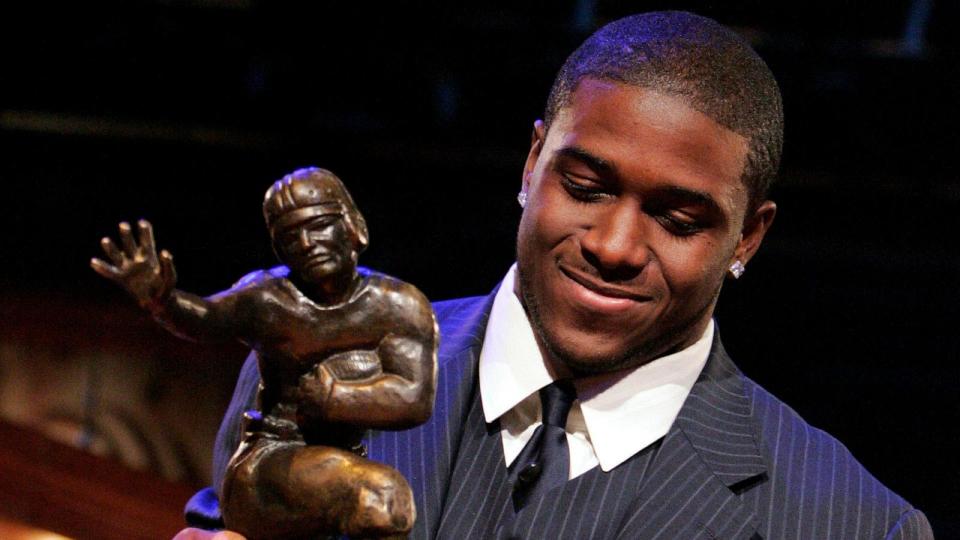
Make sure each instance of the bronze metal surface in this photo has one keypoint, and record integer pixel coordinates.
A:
(340, 351)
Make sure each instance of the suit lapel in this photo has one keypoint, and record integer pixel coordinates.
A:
(718, 420)
(425, 455)
(707, 459)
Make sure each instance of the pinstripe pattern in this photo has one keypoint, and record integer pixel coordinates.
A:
(430, 450)
(816, 489)
(479, 505)
(737, 463)
(228, 436)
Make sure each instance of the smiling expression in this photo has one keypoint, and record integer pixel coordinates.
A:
(635, 211)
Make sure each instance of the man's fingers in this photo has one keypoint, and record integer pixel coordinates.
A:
(198, 534)
(113, 253)
(146, 236)
(104, 269)
(227, 535)
(126, 240)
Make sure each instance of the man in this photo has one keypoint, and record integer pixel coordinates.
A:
(589, 396)
(339, 351)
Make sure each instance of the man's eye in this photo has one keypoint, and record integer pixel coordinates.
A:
(580, 190)
(679, 225)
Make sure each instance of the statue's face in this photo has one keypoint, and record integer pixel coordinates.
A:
(317, 244)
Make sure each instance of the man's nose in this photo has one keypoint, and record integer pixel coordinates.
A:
(616, 243)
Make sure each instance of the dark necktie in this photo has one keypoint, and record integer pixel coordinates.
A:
(544, 462)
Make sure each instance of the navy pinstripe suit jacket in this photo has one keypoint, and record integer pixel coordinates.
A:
(737, 463)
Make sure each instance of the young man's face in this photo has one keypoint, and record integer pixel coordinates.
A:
(635, 211)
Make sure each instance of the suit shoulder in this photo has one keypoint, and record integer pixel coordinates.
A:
(816, 473)
(456, 308)
(787, 436)
(462, 323)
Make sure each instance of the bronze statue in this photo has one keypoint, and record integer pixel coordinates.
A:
(340, 350)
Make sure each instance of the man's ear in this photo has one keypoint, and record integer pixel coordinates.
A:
(755, 227)
(537, 138)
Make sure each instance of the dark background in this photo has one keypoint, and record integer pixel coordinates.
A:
(184, 112)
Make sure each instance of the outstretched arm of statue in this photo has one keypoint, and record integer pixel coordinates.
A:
(398, 398)
(150, 279)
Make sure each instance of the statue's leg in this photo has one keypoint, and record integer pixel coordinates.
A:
(286, 489)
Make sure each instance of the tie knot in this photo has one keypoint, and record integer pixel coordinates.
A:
(556, 399)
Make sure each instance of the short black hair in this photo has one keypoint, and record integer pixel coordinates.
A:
(695, 58)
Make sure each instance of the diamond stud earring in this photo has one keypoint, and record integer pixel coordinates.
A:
(737, 269)
(522, 198)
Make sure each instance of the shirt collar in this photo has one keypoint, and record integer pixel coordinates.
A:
(624, 412)
(511, 366)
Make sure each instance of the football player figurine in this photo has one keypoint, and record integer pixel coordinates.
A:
(340, 350)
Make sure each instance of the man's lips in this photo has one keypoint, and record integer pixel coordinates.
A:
(598, 295)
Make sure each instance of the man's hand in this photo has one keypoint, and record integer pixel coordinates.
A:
(136, 268)
(200, 534)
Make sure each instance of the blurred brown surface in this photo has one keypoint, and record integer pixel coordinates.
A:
(52, 486)
(101, 376)
(12, 530)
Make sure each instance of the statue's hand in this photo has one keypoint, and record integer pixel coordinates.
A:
(136, 268)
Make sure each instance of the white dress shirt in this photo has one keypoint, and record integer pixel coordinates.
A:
(615, 416)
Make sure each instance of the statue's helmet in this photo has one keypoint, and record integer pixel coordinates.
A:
(308, 192)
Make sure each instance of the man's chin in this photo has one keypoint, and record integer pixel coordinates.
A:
(581, 367)
(590, 362)
(590, 353)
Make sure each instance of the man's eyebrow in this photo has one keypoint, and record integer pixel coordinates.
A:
(693, 196)
(597, 163)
